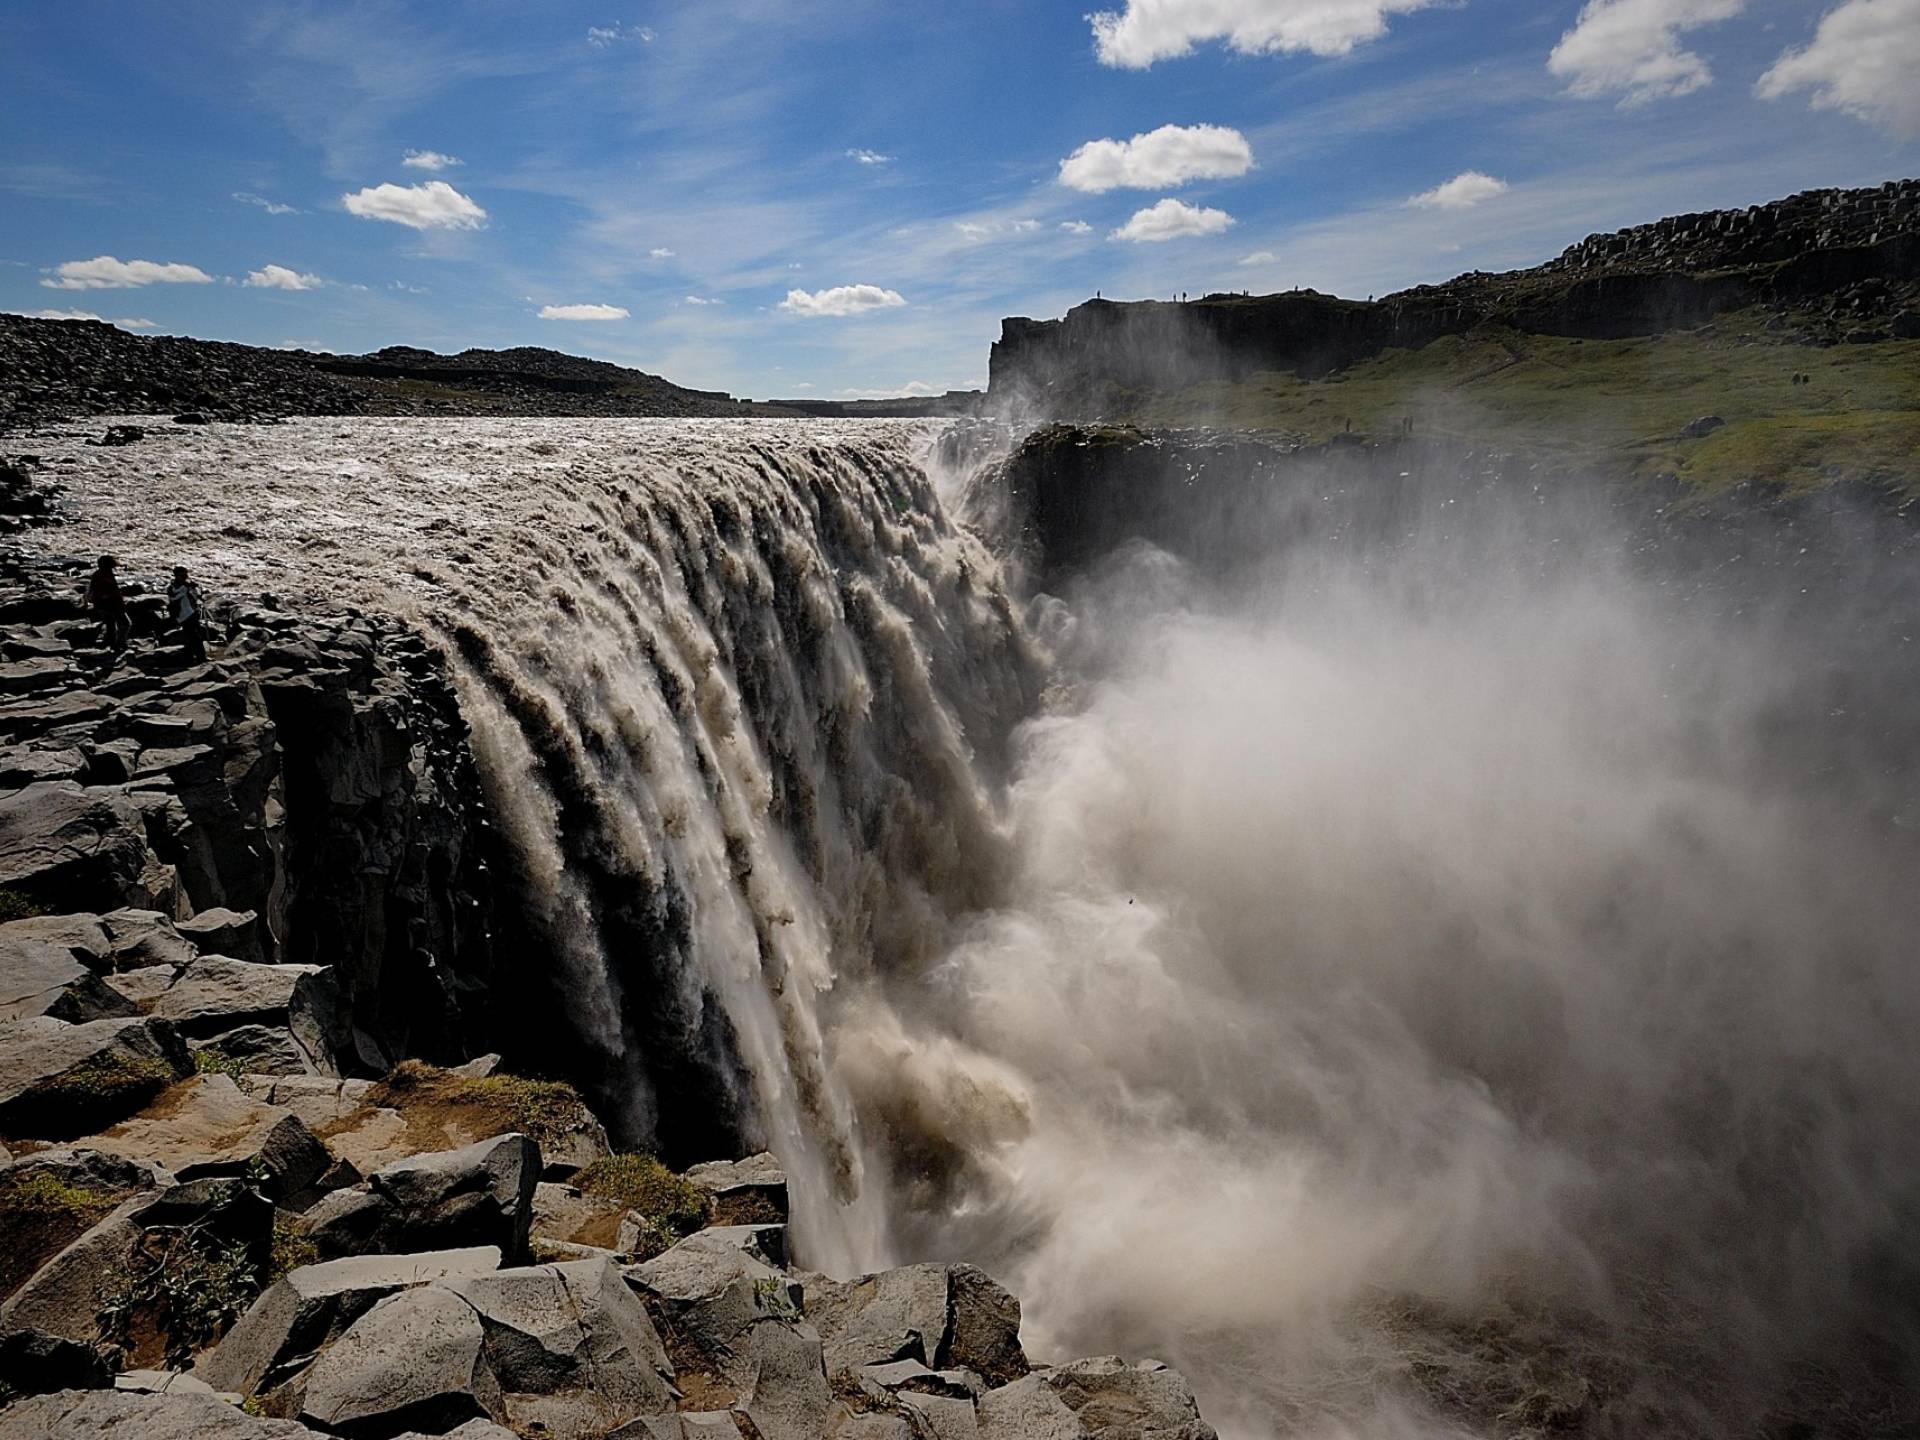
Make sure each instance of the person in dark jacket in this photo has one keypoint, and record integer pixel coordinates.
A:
(187, 610)
(109, 606)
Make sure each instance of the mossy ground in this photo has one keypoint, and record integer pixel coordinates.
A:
(1618, 406)
(671, 1207)
(40, 1215)
(434, 1101)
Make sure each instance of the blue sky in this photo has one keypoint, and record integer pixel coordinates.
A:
(821, 197)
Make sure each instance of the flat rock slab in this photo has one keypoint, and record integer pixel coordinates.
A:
(208, 1126)
(126, 1415)
(1146, 1400)
(878, 1319)
(317, 1099)
(481, 1194)
(37, 978)
(215, 994)
(744, 1191)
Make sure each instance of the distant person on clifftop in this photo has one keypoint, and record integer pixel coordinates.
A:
(109, 606)
(187, 608)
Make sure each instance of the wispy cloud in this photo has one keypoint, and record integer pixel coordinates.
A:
(869, 157)
(842, 300)
(103, 272)
(1259, 257)
(1151, 30)
(582, 312)
(272, 207)
(1631, 48)
(1463, 192)
(702, 300)
(279, 277)
(1862, 61)
(1076, 227)
(429, 160)
(434, 205)
(660, 252)
(1172, 220)
(1158, 160)
(605, 37)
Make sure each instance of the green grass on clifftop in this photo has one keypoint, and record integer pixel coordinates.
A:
(1620, 405)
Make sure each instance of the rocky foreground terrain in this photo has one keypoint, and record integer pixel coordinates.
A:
(244, 904)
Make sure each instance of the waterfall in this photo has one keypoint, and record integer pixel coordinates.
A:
(1445, 971)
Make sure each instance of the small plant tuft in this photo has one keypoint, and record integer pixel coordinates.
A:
(15, 906)
(548, 1110)
(291, 1249)
(212, 1062)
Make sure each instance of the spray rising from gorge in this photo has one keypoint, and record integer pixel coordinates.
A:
(1417, 965)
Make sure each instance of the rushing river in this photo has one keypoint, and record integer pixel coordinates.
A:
(1407, 990)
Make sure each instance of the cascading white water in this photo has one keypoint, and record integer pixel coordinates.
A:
(1403, 984)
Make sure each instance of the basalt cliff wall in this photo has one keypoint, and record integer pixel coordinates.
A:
(1851, 257)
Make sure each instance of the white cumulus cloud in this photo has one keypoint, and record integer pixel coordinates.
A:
(125, 322)
(1863, 60)
(1462, 192)
(279, 277)
(434, 205)
(1150, 30)
(272, 207)
(103, 272)
(1631, 48)
(1172, 220)
(582, 312)
(703, 300)
(1076, 227)
(429, 160)
(842, 300)
(1158, 160)
(869, 157)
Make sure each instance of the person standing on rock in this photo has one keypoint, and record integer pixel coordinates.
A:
(186, 607)
(109, 606)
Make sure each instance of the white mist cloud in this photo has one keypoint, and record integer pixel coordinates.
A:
(434, 205)
(1150, 30)
(272, 207)
(1631, 48)
(1862, 61)
(869, 157)
(582, 312)
(103, 272)
(1172, 220)
(279, 277)
(429, 160)
(1462, 192)
(842, 300)
(1158, 160)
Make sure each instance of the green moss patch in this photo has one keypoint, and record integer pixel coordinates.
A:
(670, 1207)
(40, 1215)
(432, 1100)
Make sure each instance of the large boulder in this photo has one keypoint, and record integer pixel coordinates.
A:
(128, 1415)
(894, 1315)
(479, 1195)
(1117, 1401)
(572, 1346)
(416, 1360)
(1028, 1409)
(84, 937)
(37, 978)
(306, 1308)
(140, 938)
(220, 931)
(33, 1362)
(59, 1080)
(67, 846)
(983, 1330)
(209, 1126)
